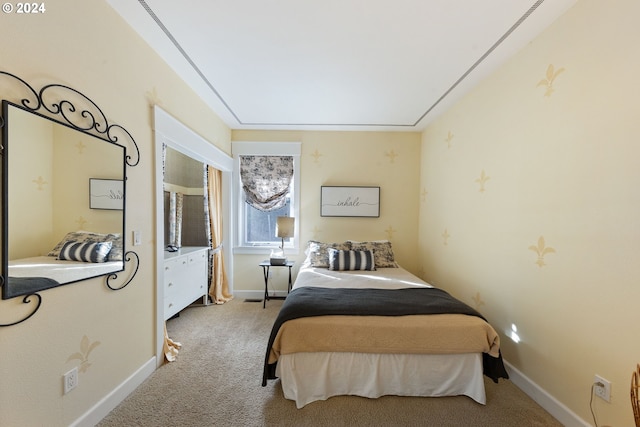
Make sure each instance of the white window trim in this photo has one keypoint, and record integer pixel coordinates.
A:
(240, 148)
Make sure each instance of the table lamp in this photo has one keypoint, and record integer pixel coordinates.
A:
(284, 229)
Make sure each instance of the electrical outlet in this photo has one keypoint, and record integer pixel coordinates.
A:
(602, 388)
(70, 380)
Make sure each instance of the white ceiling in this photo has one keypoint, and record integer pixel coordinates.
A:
(336, 64)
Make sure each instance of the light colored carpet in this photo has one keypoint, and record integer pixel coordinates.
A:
(216, 381)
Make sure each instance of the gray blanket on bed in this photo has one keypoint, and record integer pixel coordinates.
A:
(316, 301)
(27, 285)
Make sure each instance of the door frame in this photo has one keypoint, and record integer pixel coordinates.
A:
(173, 133)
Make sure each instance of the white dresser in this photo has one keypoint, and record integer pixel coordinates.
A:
(185, 278)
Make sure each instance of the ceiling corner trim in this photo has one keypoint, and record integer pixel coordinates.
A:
(481, 59)
(186, 56)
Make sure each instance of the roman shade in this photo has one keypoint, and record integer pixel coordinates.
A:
(266, 180)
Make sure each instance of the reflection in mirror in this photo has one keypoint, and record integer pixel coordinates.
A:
(183, 175)
(54, 178)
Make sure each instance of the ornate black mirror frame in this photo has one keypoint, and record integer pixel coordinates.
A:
(69, 107)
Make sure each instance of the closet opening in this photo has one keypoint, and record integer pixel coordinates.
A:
(193, 222)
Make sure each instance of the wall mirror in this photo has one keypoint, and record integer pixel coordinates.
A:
(52, 172)
(63, 192)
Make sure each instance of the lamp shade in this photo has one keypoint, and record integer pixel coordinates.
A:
(284, 226)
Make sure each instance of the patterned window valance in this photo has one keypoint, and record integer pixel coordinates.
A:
(266, 180)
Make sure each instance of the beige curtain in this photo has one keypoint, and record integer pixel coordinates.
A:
(176, 204)
(219, 286)
(171, 348)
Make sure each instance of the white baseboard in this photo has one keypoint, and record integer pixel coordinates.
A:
(550, 404)
(117, 395)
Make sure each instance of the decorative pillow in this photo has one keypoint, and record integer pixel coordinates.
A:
(117, 248)
(351, 260)
(318, 252)
(382, 250)
(91, 237)
(85, 251)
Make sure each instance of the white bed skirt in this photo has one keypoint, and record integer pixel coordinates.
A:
(308, 377)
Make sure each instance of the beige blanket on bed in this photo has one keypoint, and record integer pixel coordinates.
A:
(421, 334)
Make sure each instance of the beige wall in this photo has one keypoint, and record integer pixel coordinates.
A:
(77, 158)
(87, 46)
(32, 231)
(388, 160)
(560, 168)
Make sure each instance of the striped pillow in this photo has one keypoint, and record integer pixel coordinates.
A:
(85, 251)
(351, 260)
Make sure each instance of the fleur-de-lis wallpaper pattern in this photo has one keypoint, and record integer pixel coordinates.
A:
(316, 156)
(477, 298)
(82, 356)
(152, 97)
(448, 139)
(541, 249)
(80, 146)
(547, 81)
(391, 155)
(40, 183)
(390, 231)
(482, 180)
(445, 237)
(82, 222)
(537, 195)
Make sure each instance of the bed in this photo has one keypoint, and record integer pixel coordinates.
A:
(62, 271)
(378, 330)
(78, 256)
(45, 272)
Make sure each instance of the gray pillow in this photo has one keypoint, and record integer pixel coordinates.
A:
(85, 251)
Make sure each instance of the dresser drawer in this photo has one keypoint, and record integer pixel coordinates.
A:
(198, 257)
(173, 270)
(185, 279)
(175, 264)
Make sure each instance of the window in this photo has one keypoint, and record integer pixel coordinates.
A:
(260, 226)
(256, 229)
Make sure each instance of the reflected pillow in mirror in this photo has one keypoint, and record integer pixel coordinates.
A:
(85, 251)
(117, 248)
(91, 237)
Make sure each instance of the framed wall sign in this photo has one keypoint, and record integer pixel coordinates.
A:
(106, 193)
(350, 201)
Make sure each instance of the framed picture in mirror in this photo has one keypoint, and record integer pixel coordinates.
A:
(106, 194)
